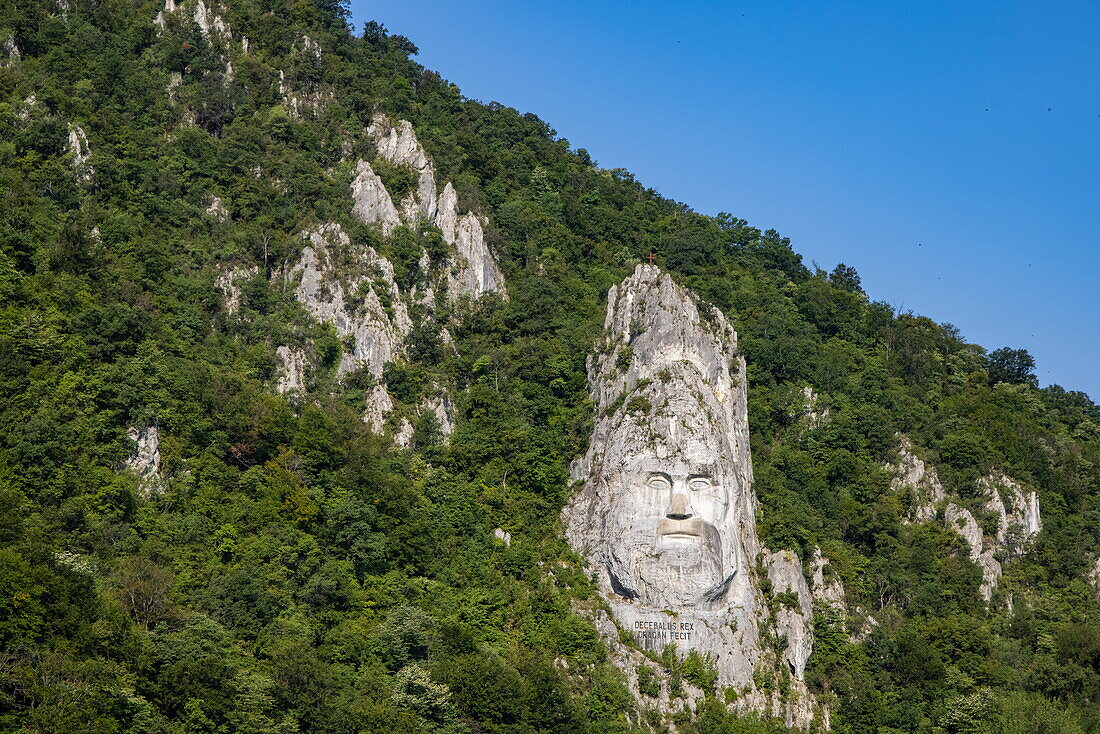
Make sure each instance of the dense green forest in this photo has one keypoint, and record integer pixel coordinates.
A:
(296, 572)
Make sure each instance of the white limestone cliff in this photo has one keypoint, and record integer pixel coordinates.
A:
(826, 585)
(291, 370)
(1093, 578)
(472, 270)
(398, 145)
(1018, 520)
(665, 514)
(376, 332)
(403, 434)
(371, 203)
(440, 405)
(144, 460)
(1017, 511)
(910, 473)
(815, 413)
(217, 209)
(228, 284)
(81, 153)
(379, 404)
(11, 51)
(207, 18)
(794, 615)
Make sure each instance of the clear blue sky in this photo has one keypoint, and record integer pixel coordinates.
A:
(950, 151)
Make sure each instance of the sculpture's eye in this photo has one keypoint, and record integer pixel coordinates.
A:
(659, 482)
(698, 484)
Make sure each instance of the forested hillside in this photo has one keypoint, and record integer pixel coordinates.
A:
(283, 565)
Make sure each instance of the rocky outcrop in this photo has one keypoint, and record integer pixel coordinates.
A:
(363, 303)
(81, 153)
(217, 209)
(207, 18)
(1093, 577)
(794, 613)
(379, 404)
(403, 434)
(471, 269)
(440, 406)
(10, 50)
(209, 21)
(911, 474)
(474, 270)
(1016, 509)
(228, 284)
(398, 145)
(826, 585)
(310, 47)
(291, 372)
(962, 522)
(144, 460)
(815, 413)
(371, 203)
(666, 514)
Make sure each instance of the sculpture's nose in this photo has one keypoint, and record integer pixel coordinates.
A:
(679, 508)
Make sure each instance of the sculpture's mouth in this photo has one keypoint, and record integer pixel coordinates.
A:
(687, 530)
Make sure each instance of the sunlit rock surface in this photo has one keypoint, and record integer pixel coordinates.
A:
(81, 153)
(228, 284)
(371, 201)
(472, 269)
(291, 369)
(794, 614)
(144, 460)
(1016, 510)
(913, 475)
(665, 514)
(350, 298)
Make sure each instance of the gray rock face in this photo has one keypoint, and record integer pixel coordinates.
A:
(398, 144)
(912, 474)
(666, 513)
(379, 404)
(145, 458)
(209, 21)
(673, 428)
(291, 370)
(217, 209)
(815, 413)
(351, 301)
(371, 202)
(962, 522)
(827, 588)
(206, 18)
(353, 287)
(472, 270)
(440, 405)
(11, 51)
(794, 617)
(228, 284)
(81, 153)
(1018, 519)
(1017, 511)
(1093, 578)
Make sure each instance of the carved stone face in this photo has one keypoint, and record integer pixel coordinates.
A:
(668, 525)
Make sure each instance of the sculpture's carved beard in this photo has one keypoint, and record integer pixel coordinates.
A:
(663, 574)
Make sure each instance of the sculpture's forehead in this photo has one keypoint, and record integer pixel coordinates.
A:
(675, 464)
